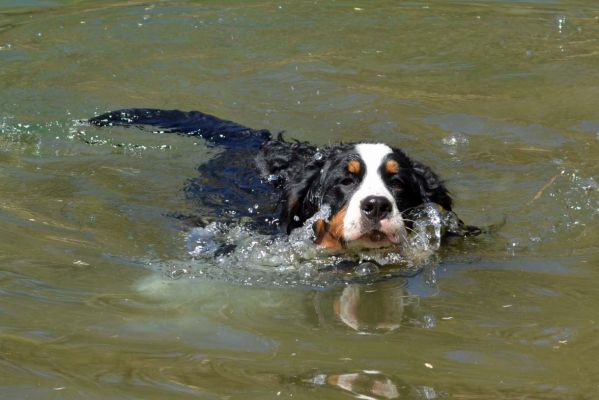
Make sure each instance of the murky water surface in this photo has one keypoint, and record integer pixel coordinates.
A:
(500, 97)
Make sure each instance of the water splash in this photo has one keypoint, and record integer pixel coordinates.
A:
(455, 142)
(575, 198)
(561, 23)
(235, 252)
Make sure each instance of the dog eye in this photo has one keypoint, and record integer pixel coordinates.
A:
(347, 181)
(396, 183)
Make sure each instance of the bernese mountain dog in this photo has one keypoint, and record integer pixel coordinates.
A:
(369, 188)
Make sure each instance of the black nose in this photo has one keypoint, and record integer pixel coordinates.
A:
(376, 207)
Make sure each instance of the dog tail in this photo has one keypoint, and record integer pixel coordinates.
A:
(189, 123)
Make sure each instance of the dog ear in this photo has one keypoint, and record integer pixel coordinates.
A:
(299, 201)
(433, 190)
(430, 186)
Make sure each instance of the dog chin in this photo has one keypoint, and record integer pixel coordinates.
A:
(376, 239)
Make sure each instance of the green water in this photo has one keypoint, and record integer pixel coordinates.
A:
(500, 97)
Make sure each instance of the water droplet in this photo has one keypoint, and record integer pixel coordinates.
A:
(561, 23)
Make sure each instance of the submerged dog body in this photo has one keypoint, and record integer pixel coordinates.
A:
(368, 187)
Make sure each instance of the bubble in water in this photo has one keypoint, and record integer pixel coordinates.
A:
(366, 268)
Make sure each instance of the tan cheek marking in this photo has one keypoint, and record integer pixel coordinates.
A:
(330, 235)
(354, 167)
(336, 224)
(392, 167)
(319, 228)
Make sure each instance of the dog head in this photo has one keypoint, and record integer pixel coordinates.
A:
(368, 187)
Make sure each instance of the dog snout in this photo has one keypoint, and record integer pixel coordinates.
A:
(376, 208)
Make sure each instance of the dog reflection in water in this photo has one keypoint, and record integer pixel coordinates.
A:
(354, 310)
(369, 384)
(379, 307)
(369, 308)
(364, 384)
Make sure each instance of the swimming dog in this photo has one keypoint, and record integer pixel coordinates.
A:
(280, 184)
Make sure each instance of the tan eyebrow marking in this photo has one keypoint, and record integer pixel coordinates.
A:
(392, 167)
(354, 167)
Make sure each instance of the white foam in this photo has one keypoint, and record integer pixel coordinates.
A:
(294, 260)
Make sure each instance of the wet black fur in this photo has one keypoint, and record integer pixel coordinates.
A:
(277, 183)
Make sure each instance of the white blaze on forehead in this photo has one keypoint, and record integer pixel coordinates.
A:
(372, 183)
(372, 155)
